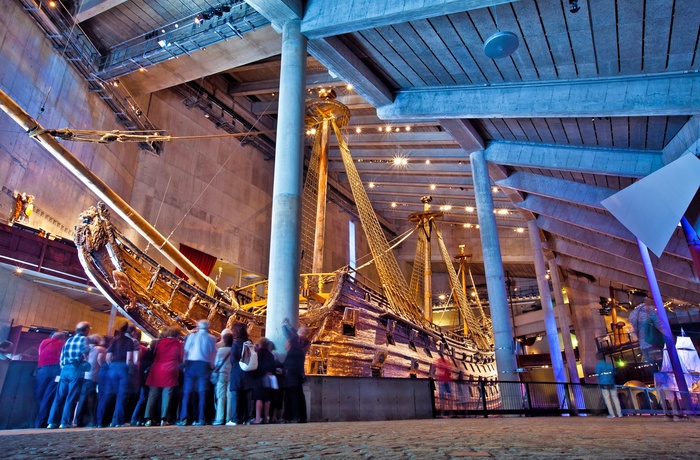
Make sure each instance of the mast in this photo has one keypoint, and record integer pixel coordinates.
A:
(102, 190)
(425, 220)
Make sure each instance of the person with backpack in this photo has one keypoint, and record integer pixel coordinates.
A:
(239, 382)
(647, 326)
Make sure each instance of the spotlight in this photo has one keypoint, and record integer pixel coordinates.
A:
(206, 15)
(574, 6)
(226, 8)
(218, 12)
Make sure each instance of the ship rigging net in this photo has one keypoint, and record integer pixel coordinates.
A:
(401, 297)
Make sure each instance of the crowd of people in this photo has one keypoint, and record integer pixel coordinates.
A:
(93, 381)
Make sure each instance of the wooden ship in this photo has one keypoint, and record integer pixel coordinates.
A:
(355, 329)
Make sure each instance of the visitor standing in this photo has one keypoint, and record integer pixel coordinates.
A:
(239, 380)
(168, 354)
(73, 366)
(48, 369)
(606, 381)
(200, 353)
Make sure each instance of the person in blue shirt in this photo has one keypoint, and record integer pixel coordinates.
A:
(606, 382)
(73, 363)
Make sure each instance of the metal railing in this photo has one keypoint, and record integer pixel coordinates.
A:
(536, 399)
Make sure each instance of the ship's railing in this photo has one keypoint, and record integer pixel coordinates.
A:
(486, 398)
(253, 297)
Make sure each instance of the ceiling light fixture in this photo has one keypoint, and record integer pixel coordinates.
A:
(501, 44)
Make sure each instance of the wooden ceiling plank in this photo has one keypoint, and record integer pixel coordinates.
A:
(407, 51)
(630, 17)
(445, 29)
(404, 75)
(528, 128)
(533, 39)
(469, 35)
(557, 129)
(571, 128)
(587, 131)
(657, 30)
(656, 128)
(638, 132)
(440, 59)
(604, 23)
(603, 131)
(515, 128)
(503, 129)
(485, 27)
(428, 48)
(557, 36)
(620, 131)
(684, 36)
(542, 130)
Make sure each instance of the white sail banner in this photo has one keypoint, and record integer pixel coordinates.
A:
(652, 207)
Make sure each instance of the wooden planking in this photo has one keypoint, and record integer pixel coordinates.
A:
(573, 133)
(543, 131)
(656, 128)
(587, 130)
(470, 36)
(404, 51)
(534, 44)
(454, 44)
(620, 132)
(404, 75)
(582, 43)
(557, 129)
(515, 129)
(603, 132)
(604, 19)
(629, 18)
(638, 132)
(427, 44)
(684, 35)
(437, 57)
(557, 36)
(657, 29)
(503, 129)
(529, 130)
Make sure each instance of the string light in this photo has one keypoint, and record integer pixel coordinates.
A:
(393, 205)
(358, 130)
(519, 230)
(408, 128)
(469, 208)
(433, 186)
(372, 185)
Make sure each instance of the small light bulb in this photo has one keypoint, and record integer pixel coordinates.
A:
(371, 185)
(393, 205)
(469, 208)
(427, 162)
(433, 186)
(358, 130)
(408, 128)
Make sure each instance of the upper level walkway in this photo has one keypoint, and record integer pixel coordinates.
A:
(592, 437)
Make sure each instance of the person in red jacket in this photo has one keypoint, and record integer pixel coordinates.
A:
(168, 353)
(48, 368)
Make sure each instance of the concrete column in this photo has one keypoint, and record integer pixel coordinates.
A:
(550, 322)
(285, 235)
(669, 339)
(493, 265)
(564, 322)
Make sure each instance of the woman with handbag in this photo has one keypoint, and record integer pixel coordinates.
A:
(264, 381)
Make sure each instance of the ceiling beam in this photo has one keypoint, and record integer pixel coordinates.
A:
(639, 282)
(686, 140)
(91, 8)
(341, 61)
(388, 168)
(560, 189)
(615, 162)
(627, 250)
(411, 154)
(271, 107)
(400, 139)
(648, 95)
(278, 12)
(273, 86)
(596, 222)
(323, 18)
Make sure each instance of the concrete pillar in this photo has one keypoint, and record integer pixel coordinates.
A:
(285, 236)
(588, 325)
(564, 321)
(493, 265)
(550, 322)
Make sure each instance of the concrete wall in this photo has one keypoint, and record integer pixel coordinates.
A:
(336, 399)
(25, 303)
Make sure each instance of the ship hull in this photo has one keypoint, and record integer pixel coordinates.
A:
(353, 333)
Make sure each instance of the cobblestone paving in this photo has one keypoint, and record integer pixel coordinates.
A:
(497, 438)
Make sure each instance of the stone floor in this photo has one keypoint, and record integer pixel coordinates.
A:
(499, 438)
